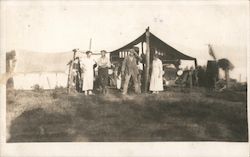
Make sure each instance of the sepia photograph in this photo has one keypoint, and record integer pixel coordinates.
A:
(124, 71)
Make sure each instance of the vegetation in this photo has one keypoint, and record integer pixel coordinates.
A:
(176, 115)
(37, 88)
(226, 65)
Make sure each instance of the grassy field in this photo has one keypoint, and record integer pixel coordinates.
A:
(175, 115)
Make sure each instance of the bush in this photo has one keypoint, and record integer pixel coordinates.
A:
(54, 94)
(59, 88)
(37, 88)
(11, 96)
(239, 87)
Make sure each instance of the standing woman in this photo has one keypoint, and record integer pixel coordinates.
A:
(87, 66)
(156, 81)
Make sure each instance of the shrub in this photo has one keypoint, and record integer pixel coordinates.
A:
(59, 88)
(239, 87)
(37, 88)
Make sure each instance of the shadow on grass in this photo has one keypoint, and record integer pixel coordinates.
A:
(38, 126)
(159, 120)
(229, 95)
(139, 119)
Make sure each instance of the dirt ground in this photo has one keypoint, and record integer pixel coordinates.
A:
(174, 115)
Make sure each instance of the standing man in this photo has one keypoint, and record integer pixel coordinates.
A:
(139, 65)
(103, 65)
(130, 69)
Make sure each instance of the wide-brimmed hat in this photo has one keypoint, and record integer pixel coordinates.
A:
(132, 51)
(136, 49)
(88, 52)
(104, 51)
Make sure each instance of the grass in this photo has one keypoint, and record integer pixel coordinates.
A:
(180, 115)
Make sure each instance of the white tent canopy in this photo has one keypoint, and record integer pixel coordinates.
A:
(47, 70)
(33, 62)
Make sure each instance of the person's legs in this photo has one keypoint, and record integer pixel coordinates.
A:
(139, 82)
(90, 92)
(136, 83)
(100, 85)
(105, 80)
(125, 86)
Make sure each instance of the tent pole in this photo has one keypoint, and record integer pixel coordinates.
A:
(147, 60)
(69, 75)
(143, 66)
(195, 63)
(142, 54)
(142, 50)
(90, 44)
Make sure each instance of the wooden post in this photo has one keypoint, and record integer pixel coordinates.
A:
(56, 81)
(143, 67)
(90, 44)
(142, 49)
(191, 78)
(195, 63)
(147, 60)
(142, 54)
(69, 75)
(48, 82)
(70, 79)
(227, 77)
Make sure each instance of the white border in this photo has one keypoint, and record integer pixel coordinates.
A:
(152, 149)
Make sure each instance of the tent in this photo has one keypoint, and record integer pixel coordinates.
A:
(154, 45)
(47, 70)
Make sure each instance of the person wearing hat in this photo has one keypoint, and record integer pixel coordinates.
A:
(103, 65)
(87, 66)
(139, 65)
(130, 69)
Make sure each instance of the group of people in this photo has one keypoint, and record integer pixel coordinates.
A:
(129, 69)
(87, 66)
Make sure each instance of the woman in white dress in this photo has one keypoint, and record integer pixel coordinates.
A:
(156, 81)
(87, 66)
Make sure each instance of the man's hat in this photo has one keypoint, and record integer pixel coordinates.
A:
(104, 51)
(132, 51)
(136, 49)
(88, 52)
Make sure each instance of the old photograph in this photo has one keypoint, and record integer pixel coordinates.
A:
(125, 72)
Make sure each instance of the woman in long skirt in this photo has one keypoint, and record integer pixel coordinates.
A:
(156, 81)
(87, 66)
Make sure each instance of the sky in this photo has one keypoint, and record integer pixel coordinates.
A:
(60, 26)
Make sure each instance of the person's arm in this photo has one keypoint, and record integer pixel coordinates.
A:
(82, 66)
(160, 68)
(138, 57)
(123, 66)
(94, 64)
(98, 62)
(108, 63)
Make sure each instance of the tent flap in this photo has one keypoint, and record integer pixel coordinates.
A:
(155, 44)
(30, 62)
(140, 39)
